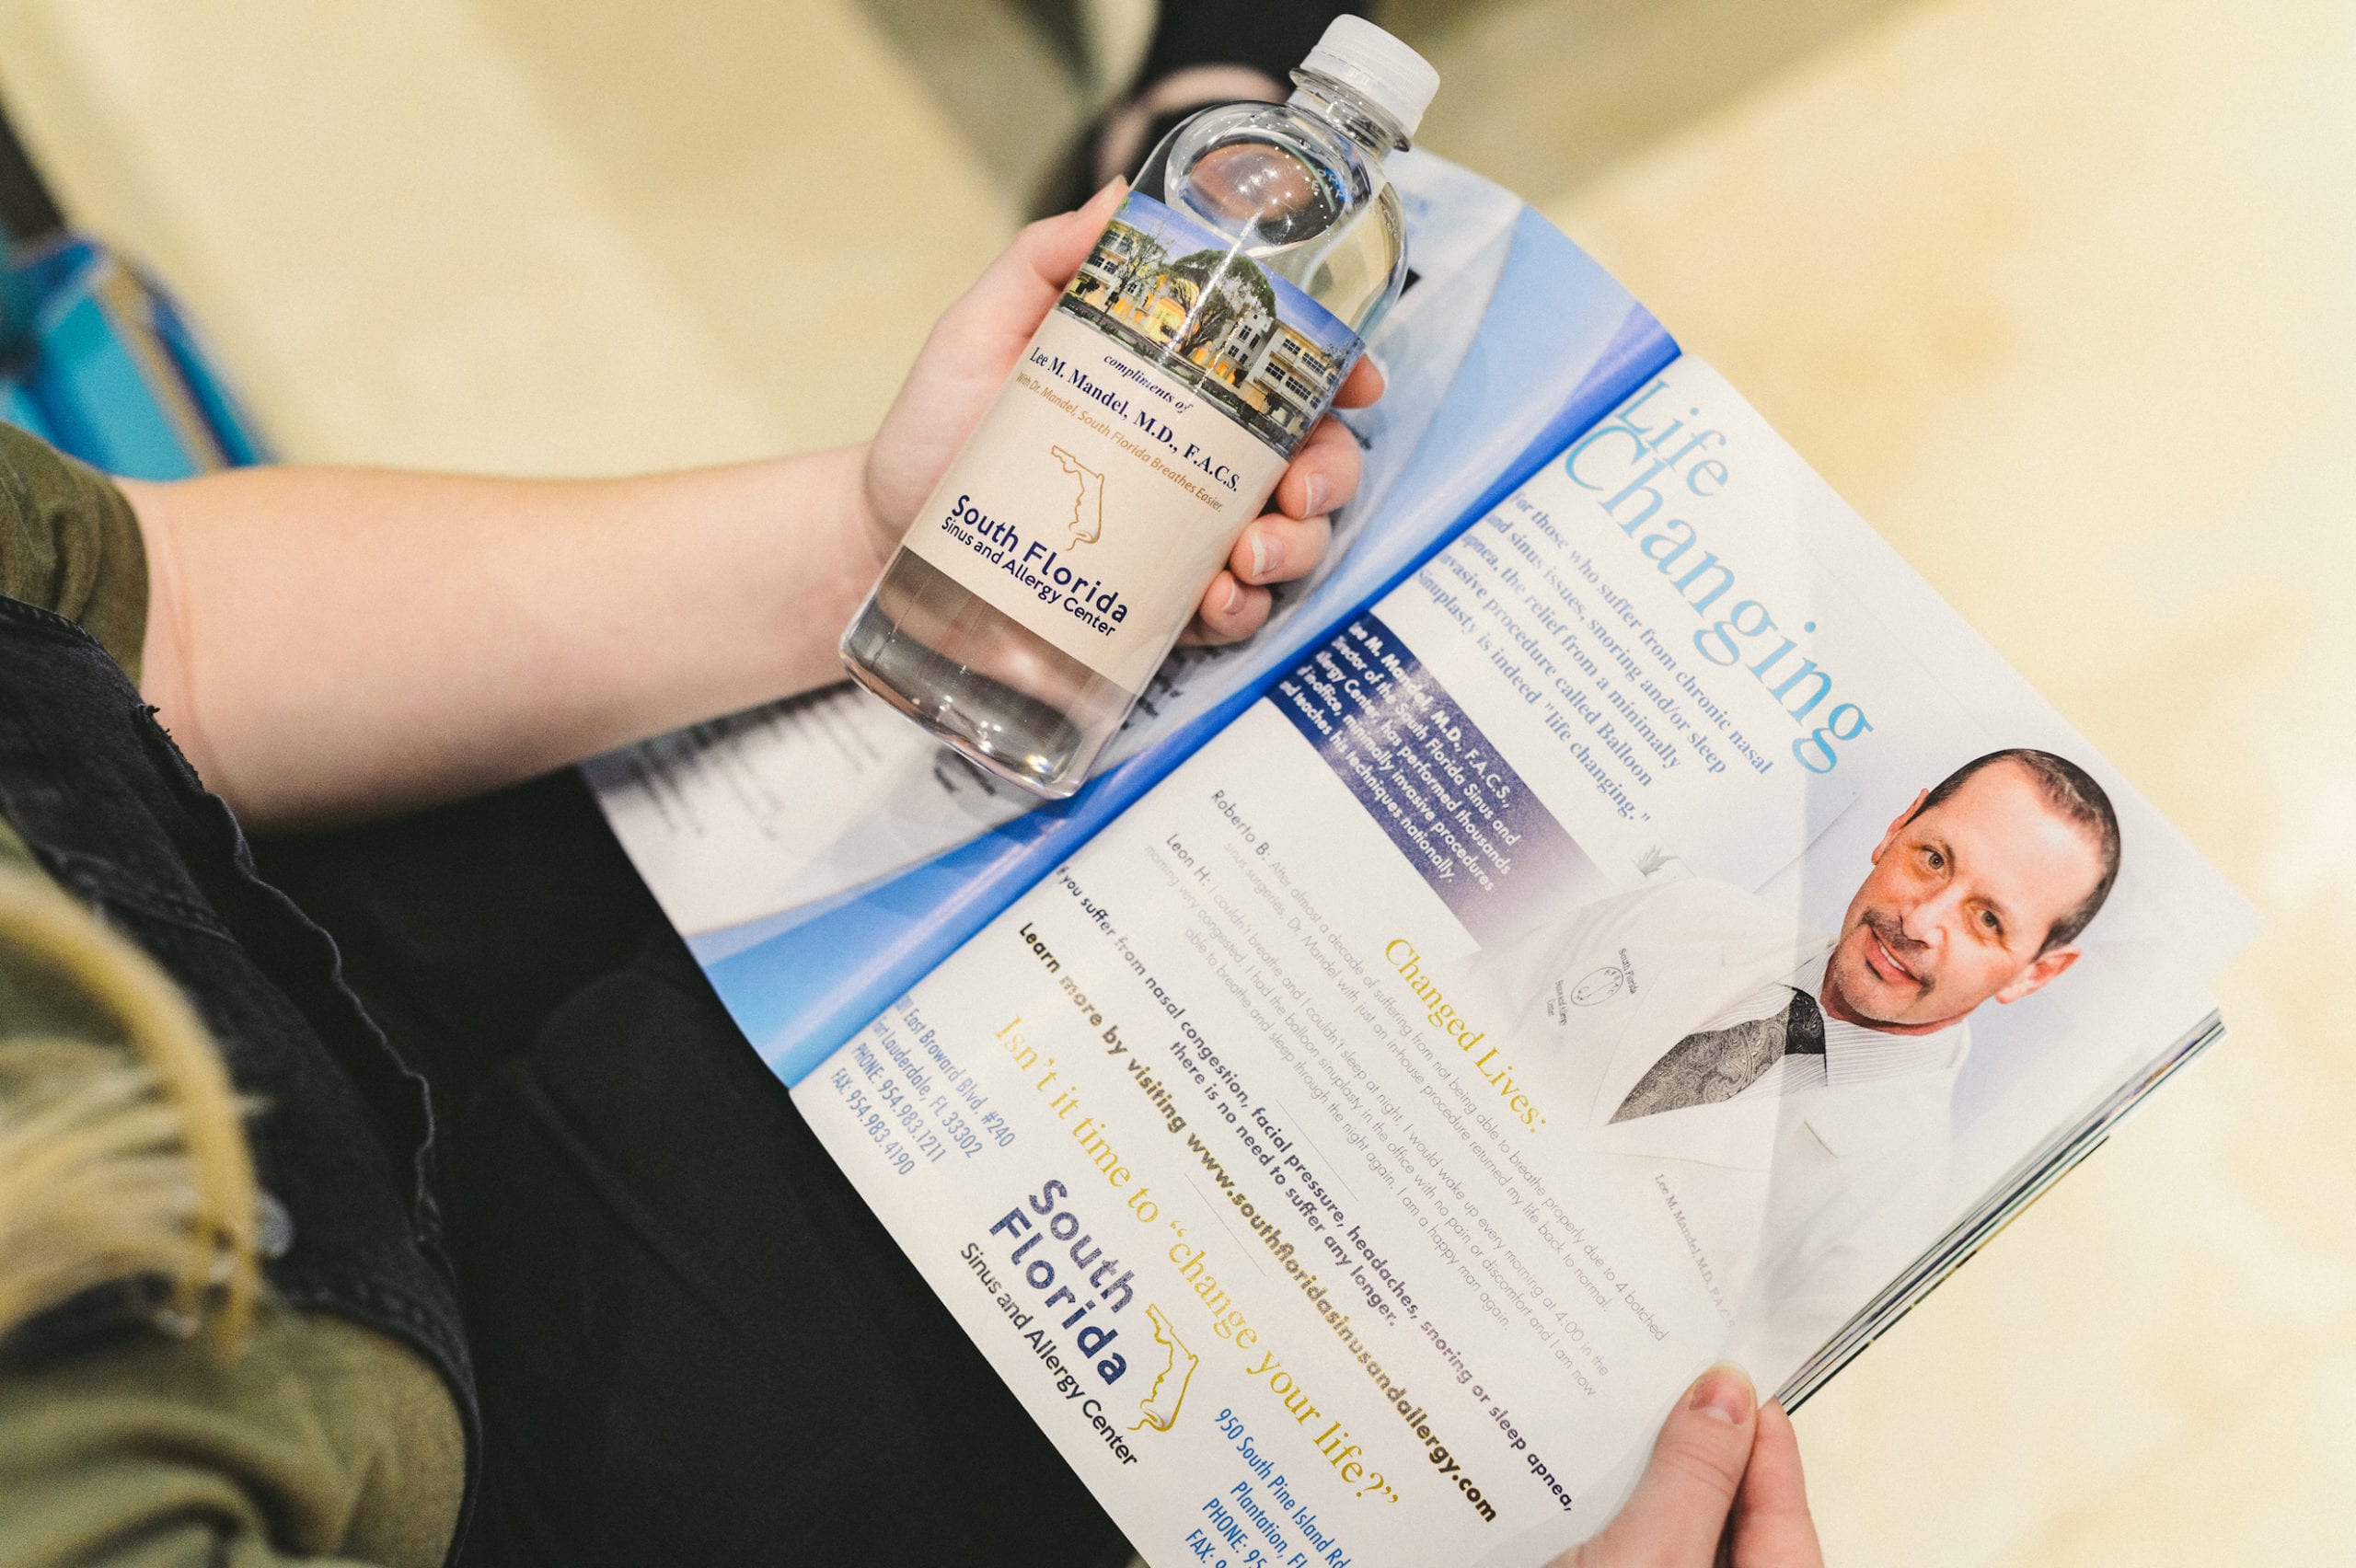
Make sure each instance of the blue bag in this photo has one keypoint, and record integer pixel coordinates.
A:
(98, 362)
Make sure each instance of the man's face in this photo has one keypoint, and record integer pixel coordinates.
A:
(1959, 902)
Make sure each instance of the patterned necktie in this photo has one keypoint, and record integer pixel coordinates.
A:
(1711, 1064)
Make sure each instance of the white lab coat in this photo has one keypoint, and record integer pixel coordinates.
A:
(1801, 1203)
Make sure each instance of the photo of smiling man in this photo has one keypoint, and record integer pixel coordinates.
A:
(1785, 1091)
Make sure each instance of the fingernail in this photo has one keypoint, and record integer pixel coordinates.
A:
(1723, 1393)
(1234, 598)
(1264, 556)
(1313, 496)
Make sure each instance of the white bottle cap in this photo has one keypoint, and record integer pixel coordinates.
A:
(1393, 77)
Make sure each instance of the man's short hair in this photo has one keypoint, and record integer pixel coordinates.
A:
(2072, 794)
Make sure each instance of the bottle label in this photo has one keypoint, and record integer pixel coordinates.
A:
(1143, 427)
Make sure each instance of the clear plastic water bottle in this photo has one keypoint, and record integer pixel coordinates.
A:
(1048, 574)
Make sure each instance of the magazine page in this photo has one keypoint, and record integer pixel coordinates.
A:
(749, 825)
(1596, 959)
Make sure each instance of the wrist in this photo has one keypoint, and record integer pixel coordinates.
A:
(808, 547)
(864, 536)
(857, 544)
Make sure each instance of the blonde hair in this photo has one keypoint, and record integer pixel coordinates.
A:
(117, 1165)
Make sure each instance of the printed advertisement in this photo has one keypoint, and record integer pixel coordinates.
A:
(1623, 946)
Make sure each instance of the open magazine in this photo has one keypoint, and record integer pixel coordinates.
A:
(1569, 946)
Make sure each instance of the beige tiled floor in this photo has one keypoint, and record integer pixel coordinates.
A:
(2058, 292)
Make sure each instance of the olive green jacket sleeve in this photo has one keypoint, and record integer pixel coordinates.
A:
(321, 1443)
(69, 542)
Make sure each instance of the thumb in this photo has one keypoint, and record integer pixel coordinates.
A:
(1023, 283)
(1678, 1512)
(973, 346)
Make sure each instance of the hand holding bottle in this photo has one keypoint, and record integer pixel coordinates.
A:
(1108, 500)
(966, 360)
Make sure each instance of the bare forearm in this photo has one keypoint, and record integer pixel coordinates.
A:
(338, 643)
(332, 644)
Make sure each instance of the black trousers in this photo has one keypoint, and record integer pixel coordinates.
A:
(694, 1344)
